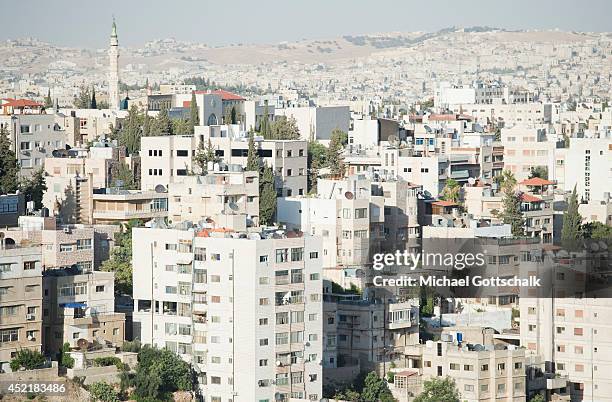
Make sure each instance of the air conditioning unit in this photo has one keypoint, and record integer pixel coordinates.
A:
(67, 230)
(31, 338)
(30, 317)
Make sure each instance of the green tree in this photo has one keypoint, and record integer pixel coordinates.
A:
(123, 177)
(181, 126)
(451, 190)
(264, 124)
(267, 196)
(9, 169)
(83, 99)
(103, 392)
(227, 115)
(65, 360)
(335, 159)
(537, 398)
(511, 204)
(160, 372)
(120, 261)
(146, 124)
(194, 119)
(48, 100)
(539, 171)
(571, 231)
(252, 157)
(163, 123)
(317, 159)
(94, 104)
(131, 130)
(597, 231)
(204, 155)
(27, 359)
(34, 187)
(233, 117)
(375, 389)
(284, 128)
(439, 389)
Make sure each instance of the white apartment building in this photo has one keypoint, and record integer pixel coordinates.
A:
(288, 158)
(588, 166)
(20, 301)
(165, 159)
(481, 372)
(430, 172)
(526, 147)
(356, 217)
(80, 305)
(317, 123)
(245, 310)
(219, 196)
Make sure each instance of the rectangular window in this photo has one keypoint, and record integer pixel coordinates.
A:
(282, 255)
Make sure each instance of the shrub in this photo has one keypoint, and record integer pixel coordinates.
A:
(134, 346)
(108, 361)
(64, 358)
(103, 392)
(28, 359)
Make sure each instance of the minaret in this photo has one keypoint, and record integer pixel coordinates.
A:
(113, 77)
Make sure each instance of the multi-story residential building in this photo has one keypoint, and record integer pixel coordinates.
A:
(370, 333)
(81, 246)
(537, 208)
(20, 300)
(430, 172)
(72, 176)
(80, 305)
(245, 310)
(356, 217)
(317, 123)
(481, 372)
(567, 321)
(113, 205)
(35, 136)
(166, 159)
(94, 124)
(573, 335)
(526, 148)
(588, 167)
(12, 206)
(288, 158)
(218, 195)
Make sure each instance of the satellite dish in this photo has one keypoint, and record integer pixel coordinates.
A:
(393, 140)
(471, 181)
(82, 343)
(348, 195)
(233, 206)
(160, 188)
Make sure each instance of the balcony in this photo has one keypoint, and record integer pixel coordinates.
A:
(284, 301)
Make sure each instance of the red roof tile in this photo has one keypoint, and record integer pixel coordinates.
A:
(537, 181)
(225, 95)
(443, 203)
(529, 198)
(21, 103)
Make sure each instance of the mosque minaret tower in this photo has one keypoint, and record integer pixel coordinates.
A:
(113, 78)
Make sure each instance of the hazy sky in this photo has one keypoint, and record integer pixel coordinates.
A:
(87, 22)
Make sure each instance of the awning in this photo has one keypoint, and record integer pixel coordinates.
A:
(74, 305)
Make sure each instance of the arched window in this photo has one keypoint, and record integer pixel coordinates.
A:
(212, 120)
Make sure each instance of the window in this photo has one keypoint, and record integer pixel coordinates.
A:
(297, 254)
(182, 152)
(361, 213)
(314, 254)
(27, 265)
(263, 342)
(282, 255)
(84, 244)
(99, 288)
(263, 258)
(468, 388)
